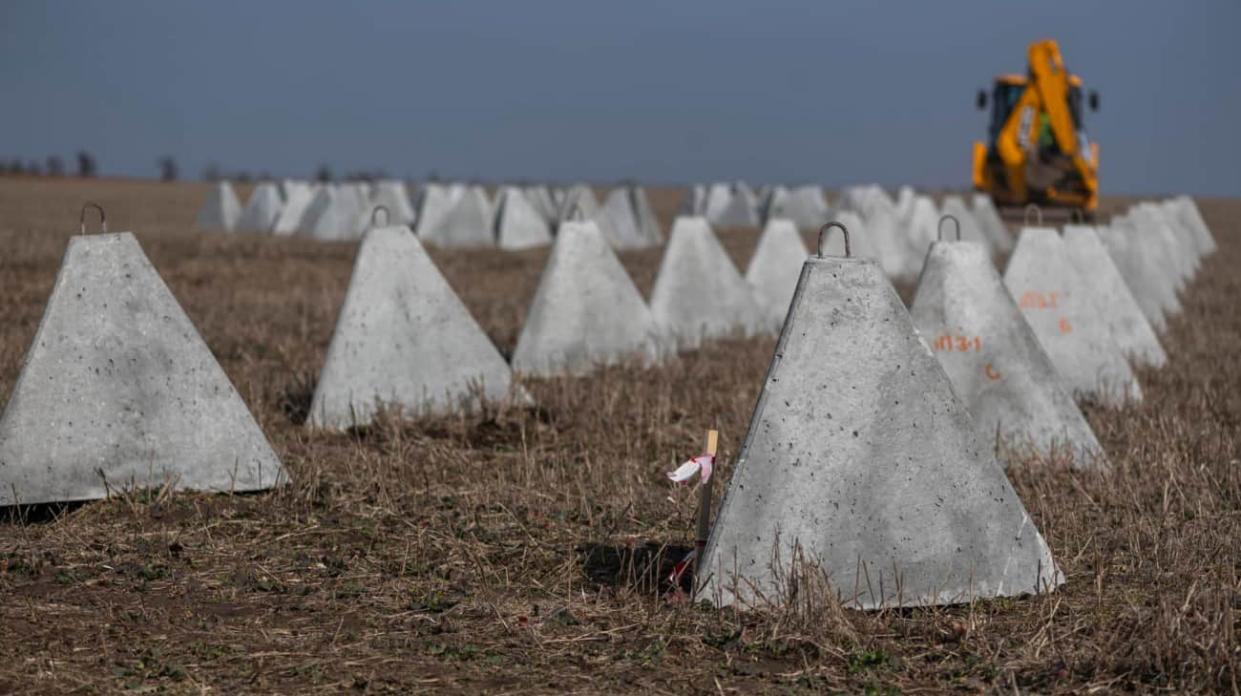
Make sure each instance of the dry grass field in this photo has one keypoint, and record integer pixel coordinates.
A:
(522, 550)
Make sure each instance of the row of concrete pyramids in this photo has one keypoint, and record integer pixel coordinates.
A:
(739, 205)
(447, 215)
(862, 454)
(865, 457)
(404, 340)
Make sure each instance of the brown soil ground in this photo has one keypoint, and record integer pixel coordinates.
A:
(521, 551)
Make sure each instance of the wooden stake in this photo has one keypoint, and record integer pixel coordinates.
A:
(704, 502)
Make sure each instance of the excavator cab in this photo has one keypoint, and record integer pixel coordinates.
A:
(1037, 149)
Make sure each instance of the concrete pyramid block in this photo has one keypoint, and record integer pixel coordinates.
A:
(221, 210)
(695, 201)
(971, 230)
(466, 222)
(262, 210)
(861, 460)
(1154, 293)
(905, 196)
(331, 215)
(618, 220)
(541, 198)
(1113, 301)
(1184, 209)
(627, 220)
(698, 292)
(296, 202)
(773, 270)
(1178, 259)
(434, 202)
(803, 205)
(579, 203)
(393, 196)
(1057, 303)
(731, 206)
(992, 224)
(404, 340)
(586, 312)
(922, 226)
(118, 390)
(887, 237)
(997, 366)
(517, 224)
(648, 225)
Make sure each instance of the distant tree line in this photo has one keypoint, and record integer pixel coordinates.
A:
(53, 166)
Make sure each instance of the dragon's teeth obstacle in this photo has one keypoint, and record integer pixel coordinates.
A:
(698, 292)
(861, 462)
(221, 210)
(119, 391)
(586, 312)
(1113, 301)
(1056, 301)
(404, 341)
(996, 364)
(774, 267)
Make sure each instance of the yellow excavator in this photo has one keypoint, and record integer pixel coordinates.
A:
(1037, 150)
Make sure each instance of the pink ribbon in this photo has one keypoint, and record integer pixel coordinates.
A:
(702, 464)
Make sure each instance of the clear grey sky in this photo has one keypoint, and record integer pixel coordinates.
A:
(770, 90)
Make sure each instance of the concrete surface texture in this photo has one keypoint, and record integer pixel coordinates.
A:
(541, 198)
(579, 203)
(861, 460)
(1056, 302)
(262, 210)
(434, 202)
(896, 255)
(297, 200)
(994, 360)
(735, 207)
(221, 209)
(905, 196)
(1187, 243)
(921, 227)
(698, 292)
(971, 230)
(618, 220)
(1160, 234)
(404, 341)
(466, 222)
(1138, 265)
(1184, 208)
(648, 224)
(517, 224)
(119, 391)
(992, 224)
(1113, 301)
(695, 201)
(804, 205)
(627, 220)
(332, 215)
(773, 269)
(393, 196)
(586, 312)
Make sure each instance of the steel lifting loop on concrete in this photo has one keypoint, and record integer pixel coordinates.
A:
(103, 219)
(823, 232)
(955, 221)
(375, 214)
(1032, 208)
